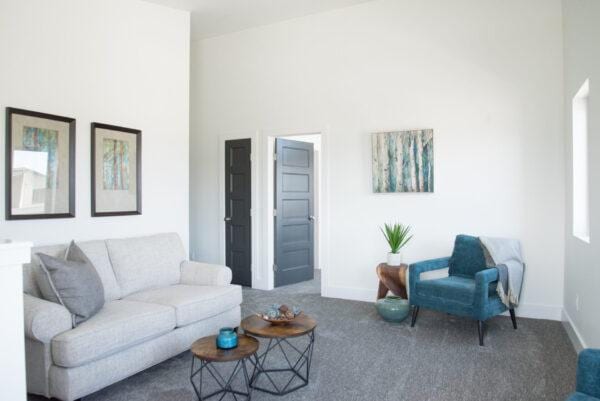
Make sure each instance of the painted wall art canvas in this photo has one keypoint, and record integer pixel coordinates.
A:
(403, 161)
(116, 170)
(116, 164)
(40, 172)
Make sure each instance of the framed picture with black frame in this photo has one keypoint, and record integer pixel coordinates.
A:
(116, 155)
(40, 165)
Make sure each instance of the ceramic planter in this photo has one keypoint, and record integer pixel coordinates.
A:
(393, 309)
(394, 259)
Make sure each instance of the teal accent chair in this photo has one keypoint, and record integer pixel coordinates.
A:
(588, 376)
(469, 290)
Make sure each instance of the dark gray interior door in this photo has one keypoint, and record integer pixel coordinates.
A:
(294, 220)
(237, 210)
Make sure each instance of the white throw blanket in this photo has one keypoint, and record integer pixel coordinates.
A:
(506, 256)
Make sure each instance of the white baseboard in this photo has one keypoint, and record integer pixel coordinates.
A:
(539, 311)
(533, 311)
(351, 293)
(573, 332)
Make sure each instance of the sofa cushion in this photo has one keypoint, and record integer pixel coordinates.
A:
(467, 257)
(97, 253)
(117, 326)
(452, 288)
(30, 270)
(73, 282)
(193, 303)
(146, 262)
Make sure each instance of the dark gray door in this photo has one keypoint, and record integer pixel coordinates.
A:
(237, 210)
(294, 203)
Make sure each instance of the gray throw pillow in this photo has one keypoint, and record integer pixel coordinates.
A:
(72, 282)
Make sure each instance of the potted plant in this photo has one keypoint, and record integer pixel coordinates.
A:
(397, 235)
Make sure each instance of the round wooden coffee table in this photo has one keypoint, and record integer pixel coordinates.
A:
(298, 357)
(206, 352)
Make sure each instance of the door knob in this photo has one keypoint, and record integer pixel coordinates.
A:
(311, 218)
(227, 219)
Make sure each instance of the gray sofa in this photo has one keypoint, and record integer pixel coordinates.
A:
(156, 305)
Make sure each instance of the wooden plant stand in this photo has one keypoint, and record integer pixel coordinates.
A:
(391, 278)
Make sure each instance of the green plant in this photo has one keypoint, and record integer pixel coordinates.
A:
(397, 235)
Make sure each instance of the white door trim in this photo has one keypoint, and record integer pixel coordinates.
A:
(267, 141)
(262, 205)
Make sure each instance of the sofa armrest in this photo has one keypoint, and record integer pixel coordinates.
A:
(588, 372)
(196, 273)
(415, 270)
(44, 319)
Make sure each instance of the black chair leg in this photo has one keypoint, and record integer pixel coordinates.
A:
(513, 317)
(480, 330)
(415, 313)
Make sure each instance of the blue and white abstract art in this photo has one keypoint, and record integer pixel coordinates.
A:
(403, 161)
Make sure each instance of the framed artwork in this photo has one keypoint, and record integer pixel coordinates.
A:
(40, 165)
(116, 170)
(403, 161)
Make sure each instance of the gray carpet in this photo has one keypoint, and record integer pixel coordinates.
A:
(358, 356)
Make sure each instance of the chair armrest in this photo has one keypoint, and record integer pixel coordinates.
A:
(588, 372)
(415, 270)
(196, 273)
(483, 279)
(44, 319)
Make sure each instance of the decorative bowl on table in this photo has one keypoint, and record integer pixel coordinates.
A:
(280, 314)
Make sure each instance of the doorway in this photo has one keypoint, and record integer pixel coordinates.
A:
(295, 193)
(238, 204)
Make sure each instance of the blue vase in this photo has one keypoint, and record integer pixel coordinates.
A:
(227, 338)
(393, 309)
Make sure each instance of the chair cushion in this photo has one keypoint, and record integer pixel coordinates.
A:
(193, 303)
(467, 257)
(453, 288)
(117, 326)
(581, 397)
(146, 262)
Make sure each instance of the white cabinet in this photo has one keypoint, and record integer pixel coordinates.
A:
(12, 341)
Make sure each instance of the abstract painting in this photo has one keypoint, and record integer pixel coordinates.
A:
(116, 170)
(403, 161)
(116, 165)
(40, 174)
(46, 141)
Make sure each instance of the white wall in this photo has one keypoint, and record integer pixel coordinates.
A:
(582, 267)
(485, 75)
(112, 61)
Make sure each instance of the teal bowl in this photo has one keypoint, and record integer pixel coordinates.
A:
(393, 309)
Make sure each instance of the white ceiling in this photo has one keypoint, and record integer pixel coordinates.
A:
(217, 17)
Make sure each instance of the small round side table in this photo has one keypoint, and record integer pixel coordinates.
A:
(206, 352)
(297, 358)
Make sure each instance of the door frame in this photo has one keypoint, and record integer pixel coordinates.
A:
(268, 185)
(263, 230)
(254, 176)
